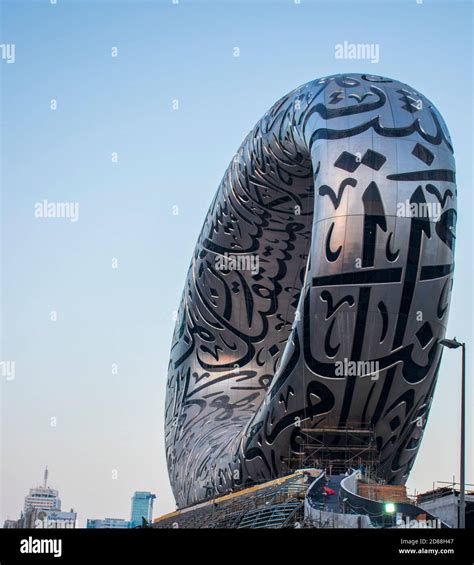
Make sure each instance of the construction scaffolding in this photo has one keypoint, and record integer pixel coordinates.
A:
(337, 449)
(274, 504)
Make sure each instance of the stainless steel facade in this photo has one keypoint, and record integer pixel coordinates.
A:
(329, 243)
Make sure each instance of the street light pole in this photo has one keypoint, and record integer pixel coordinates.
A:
(462, 494)
(454, 344)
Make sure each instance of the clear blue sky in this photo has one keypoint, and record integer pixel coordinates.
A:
(166, 158)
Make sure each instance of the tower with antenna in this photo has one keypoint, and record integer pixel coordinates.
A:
(43, 497)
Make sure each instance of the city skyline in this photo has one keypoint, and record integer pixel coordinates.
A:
(42, 502)
(42, 509)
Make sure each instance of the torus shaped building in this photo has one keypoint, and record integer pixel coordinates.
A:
(329, 245)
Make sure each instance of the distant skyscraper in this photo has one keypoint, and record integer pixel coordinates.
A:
(142, 507)
(42, 497)
(107, 523)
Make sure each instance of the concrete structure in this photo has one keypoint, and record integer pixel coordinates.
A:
(318, 291)
(324, 519)
(444, 502)
(308, 498)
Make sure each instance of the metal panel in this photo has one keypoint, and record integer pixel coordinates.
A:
(315, 253)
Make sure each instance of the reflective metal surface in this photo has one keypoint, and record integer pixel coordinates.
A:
(318, 252)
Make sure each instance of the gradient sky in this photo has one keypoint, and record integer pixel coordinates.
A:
(112, 424)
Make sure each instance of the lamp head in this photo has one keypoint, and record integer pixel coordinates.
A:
(450, 343)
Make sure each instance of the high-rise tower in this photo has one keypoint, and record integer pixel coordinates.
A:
(142, 507)
(42, 497)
